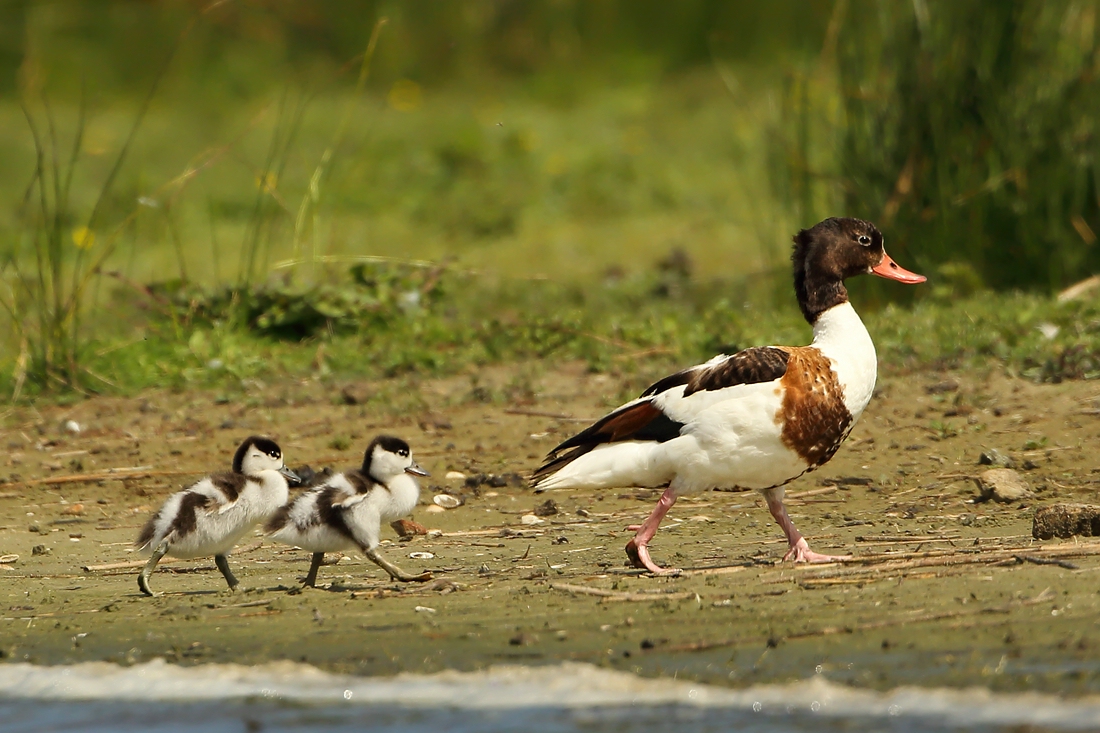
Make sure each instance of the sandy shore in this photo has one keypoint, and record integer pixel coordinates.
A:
(940, 590)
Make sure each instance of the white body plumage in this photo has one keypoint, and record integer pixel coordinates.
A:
(220, 524)
(361, 513)
(348, 509)
(210, 516)
(731, 436)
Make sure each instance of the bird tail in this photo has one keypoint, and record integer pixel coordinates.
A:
(629, 463)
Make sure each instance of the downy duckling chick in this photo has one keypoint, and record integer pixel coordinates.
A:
(210, 516)
(348, 509)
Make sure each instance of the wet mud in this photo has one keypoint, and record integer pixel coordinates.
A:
(942, 589)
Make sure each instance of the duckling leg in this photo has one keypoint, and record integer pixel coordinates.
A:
(638, 547)
(800, 549)
(223, 564)
(143, 579)
(311, 576)
(395, 572)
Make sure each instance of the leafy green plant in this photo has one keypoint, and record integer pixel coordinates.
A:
(372, 294)
(47, 293)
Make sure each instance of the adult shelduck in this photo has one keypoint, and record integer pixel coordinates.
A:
(210, 516)
(756, 419)
(348, 509)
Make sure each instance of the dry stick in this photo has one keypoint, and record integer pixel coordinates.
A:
(614, 595)
(811, 492)
(114, 473)
(723, 570)
(868, 540)
(540, 413)
(125, 565)
(1045, 561)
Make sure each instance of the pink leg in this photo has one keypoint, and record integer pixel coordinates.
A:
(638, 547)
(800, 550)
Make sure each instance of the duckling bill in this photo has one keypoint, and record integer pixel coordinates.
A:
(210, 516)
(348, 509)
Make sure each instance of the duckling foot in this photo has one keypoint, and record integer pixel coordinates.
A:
(311, 576)
(800, 552)
(639, 558)
(143, 578)
(223, 565)
(395, 572)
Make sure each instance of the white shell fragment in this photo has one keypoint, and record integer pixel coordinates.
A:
(421, 555)
(433, 509)
(424, 609)
(446, 501)
(72, 426)
(5, 559)
(455, 476)
(530, 519)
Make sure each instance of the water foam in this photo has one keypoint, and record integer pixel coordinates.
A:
(565, 686)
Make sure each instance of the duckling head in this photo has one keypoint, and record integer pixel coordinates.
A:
(258, 453)
(388, 457)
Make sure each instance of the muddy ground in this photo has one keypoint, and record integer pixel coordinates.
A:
(940, 590)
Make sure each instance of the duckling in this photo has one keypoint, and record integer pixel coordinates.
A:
(348, 509)
(208, 517)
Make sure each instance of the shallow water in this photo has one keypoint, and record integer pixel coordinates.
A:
(158, 696)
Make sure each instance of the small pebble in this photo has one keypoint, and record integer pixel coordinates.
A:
(994, 457)
(408, 528)
(433, 509)
(40, 550)
(530, 519)
(546, 509)
(72, 426)
(424, 609)
(455, 476)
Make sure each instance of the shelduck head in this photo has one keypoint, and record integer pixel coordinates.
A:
(833, 250)
(388, 457)
(257, 454)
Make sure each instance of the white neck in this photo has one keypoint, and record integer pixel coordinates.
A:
(840, 335)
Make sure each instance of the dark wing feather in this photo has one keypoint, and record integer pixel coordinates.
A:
(751, 366)
(645, 421)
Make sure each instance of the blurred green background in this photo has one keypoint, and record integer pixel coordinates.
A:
(218, 149)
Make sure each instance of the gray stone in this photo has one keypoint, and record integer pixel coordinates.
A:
(1003, 484)
(994, 457)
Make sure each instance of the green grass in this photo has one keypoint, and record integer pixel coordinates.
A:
(638, 328)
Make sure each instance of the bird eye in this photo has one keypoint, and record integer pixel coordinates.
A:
(864, 239)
